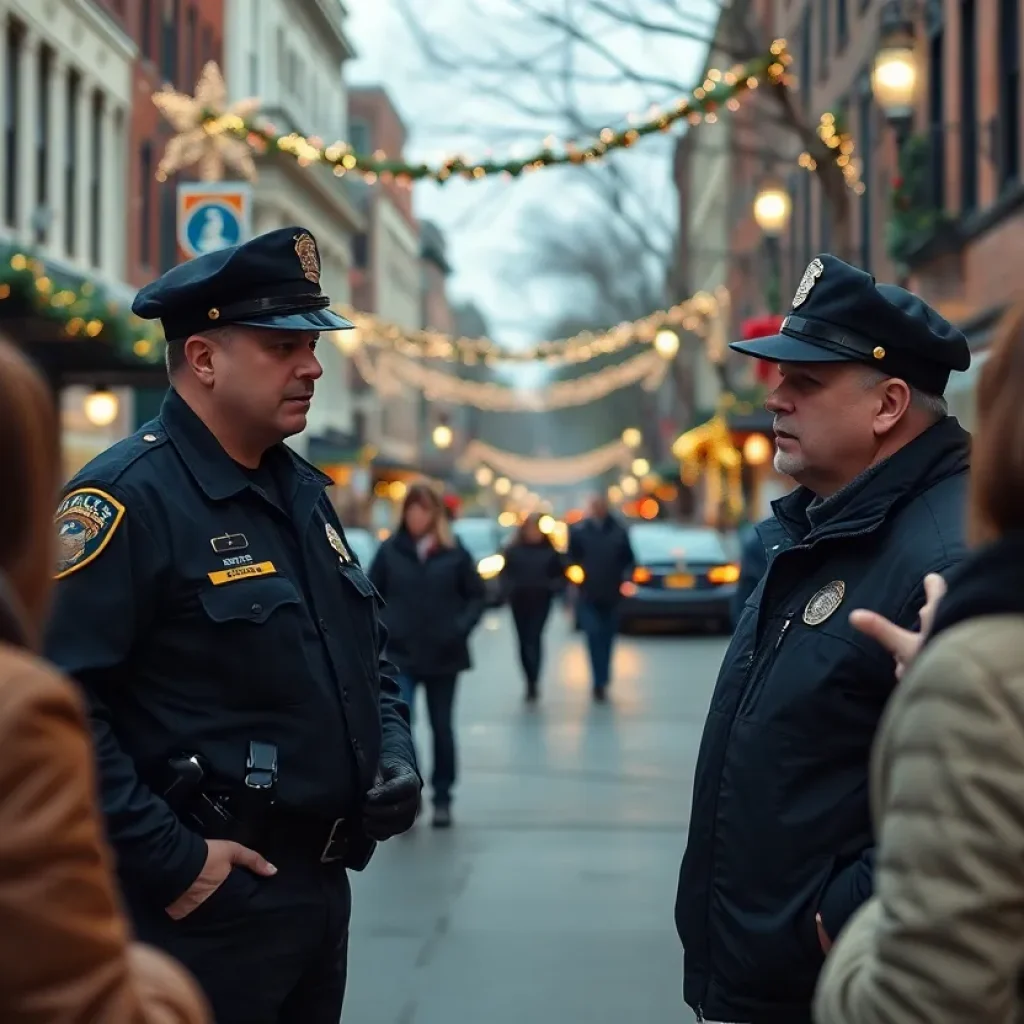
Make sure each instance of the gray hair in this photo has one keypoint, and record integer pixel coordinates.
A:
(935, 407)
(174, 353)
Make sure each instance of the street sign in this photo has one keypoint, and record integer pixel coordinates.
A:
(212, 216)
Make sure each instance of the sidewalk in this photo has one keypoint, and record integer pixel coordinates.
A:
(551, 899)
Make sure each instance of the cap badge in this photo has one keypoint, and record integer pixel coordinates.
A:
(814, 270)
(824, 603)
(305, 249)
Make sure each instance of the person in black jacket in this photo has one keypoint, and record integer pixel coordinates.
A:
(753, 563)
(532, 575)
(780, 847)
(434, 598)
(600, 546)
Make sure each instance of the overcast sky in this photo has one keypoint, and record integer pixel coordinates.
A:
(487, 223)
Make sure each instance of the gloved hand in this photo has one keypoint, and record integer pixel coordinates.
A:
(392, 804)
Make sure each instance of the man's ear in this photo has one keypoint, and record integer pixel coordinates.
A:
(895, 398)
(199, 357)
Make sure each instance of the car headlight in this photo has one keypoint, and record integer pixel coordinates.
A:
(490, 566)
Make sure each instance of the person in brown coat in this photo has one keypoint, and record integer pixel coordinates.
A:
(66, 956)
(942, 939)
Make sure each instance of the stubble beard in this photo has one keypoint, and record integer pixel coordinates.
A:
(788, 463)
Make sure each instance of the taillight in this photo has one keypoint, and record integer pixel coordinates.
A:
(724, 574)
(641, 575)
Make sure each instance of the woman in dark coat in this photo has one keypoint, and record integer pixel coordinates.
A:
(434, 597)
(533, 574)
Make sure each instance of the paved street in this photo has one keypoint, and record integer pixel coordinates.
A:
(551, 899)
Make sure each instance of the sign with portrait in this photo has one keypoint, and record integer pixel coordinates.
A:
(212, 216)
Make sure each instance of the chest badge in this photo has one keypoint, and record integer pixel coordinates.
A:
(824, 603)
(334, 538)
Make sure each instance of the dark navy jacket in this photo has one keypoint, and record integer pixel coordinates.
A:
(780, 825)
(207, 613)
(602, 549)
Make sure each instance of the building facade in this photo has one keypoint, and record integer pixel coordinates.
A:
(291, 54)
(386, 280)
(66, 73)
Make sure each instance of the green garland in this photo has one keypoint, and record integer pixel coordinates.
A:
(718, 90)
(81, 309)
(914, 216)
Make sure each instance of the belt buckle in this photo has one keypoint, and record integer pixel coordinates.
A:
(327, 857)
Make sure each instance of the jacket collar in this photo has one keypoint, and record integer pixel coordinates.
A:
(215, 471)
(941, 451)
(989, 581)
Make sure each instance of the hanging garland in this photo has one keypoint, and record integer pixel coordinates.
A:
(551, 472)
(698, 315)
(389, 372)
(81, 309)
(833, 132)
(209, 131)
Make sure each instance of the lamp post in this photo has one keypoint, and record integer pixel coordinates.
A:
(772, 209)
(894, 75)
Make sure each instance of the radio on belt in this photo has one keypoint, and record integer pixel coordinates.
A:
(261, 766)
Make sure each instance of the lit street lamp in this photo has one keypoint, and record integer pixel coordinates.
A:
(442, 436)
(772, 209)
(101, 407)
(894, 71)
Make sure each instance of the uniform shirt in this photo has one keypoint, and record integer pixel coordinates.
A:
(202, 606)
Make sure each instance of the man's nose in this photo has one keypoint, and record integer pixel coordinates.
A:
(775, 402)
(310, 368)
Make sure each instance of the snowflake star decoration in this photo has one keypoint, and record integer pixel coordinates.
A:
(206, 128)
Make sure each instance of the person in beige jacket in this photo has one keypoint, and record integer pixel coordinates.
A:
(942, 939)
(66, 956)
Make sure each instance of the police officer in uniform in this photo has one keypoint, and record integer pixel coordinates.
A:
(780, 845)
(252, 743)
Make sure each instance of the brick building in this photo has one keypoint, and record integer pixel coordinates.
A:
(956, 230)
(175, 39)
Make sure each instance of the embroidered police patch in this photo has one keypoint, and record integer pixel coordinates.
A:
(86, 520)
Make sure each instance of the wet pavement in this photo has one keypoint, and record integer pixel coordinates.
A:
(550, 901)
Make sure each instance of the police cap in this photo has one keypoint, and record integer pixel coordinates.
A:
(273, 280)
(840, 314)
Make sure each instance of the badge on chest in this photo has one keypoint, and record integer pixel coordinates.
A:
(334, 539)
(824, 604)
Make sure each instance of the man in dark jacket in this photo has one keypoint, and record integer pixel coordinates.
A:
(780, 846)
(599, 545)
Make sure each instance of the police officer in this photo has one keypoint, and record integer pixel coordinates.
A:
(252, 743)
(780, 846)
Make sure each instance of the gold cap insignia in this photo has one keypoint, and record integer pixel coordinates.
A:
(305, 249)
(814, 270)
(824, 603)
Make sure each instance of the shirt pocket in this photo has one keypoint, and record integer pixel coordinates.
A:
(256, 631)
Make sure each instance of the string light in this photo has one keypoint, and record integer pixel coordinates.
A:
(696, 315)
(544, 472)
(81, 310)
(840, 142)
(205, 123)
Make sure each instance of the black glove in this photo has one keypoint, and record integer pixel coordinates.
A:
(391, 806)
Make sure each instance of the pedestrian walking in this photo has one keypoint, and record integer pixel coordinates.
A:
(941, 941)
(781, 848)
(599, 545)
(66, 952)
(533, 574)
(434, 598)
(252, 741)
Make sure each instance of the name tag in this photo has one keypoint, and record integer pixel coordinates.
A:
(241, 572)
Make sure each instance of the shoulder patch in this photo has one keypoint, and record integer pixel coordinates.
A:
(86, 521)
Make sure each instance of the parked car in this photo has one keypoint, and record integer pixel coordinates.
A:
(482, 537)
(683, 576)
(363, 544)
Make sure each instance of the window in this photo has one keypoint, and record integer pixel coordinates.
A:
(807, 239)
(74, 86)
(146, 29)
(866, 146)
(359, 137)
(168, 228)
(12, 97)
(361, 250)
(823, 37)
(842, 24)
(207, 44)
(146, 206)
(95, 163)
(169, 41)
(191, 46)
(804, 69)
(937, 116)
(824, 222)
(43, 121)
(968, 106)
(282, 58)
(1008, 147)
